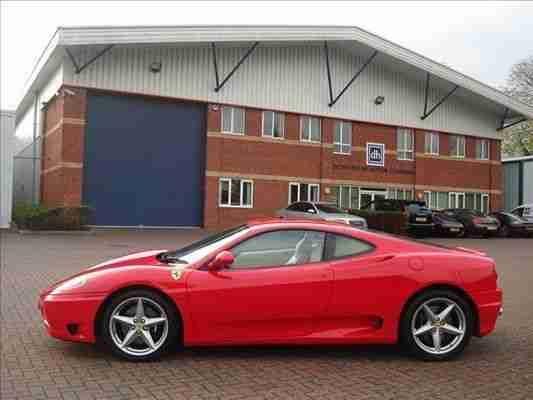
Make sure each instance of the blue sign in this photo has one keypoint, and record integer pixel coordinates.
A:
(375, 154)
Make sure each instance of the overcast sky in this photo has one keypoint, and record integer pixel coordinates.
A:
(480, 39)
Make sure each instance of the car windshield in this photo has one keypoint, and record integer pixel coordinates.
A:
(512, 217)
(329, 208)
(199, 249)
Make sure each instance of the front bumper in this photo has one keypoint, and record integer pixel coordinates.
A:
(490, 307)
(70, 317)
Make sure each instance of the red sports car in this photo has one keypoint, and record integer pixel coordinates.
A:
(281, 282)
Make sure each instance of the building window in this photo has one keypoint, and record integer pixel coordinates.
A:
(457, 146)
(400, 194)
(405, 144)
(236, 192)
(432, 143)
(233, 120)
(303, 192)
(310, 129)
(436, 200)
(482, 149)
(342, 143)
(481, 202)
(346, 196)
(456, 200)
(273, 124)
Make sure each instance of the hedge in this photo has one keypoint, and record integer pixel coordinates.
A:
(37, 217)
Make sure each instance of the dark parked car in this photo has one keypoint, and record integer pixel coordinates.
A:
(419, 218)
(444, 225)
(511, 225)
(475, 222)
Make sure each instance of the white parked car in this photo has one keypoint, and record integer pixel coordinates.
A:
(525, 211)
(323, 211)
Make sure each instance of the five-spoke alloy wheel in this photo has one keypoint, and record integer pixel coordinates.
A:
(437, 325)
(139, 325)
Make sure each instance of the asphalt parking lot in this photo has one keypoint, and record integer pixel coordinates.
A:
(35, 366)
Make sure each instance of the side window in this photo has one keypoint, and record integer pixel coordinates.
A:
(294, 207)
(279, 248)
(339, 246)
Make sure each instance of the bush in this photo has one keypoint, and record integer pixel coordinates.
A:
(37, 217)
(386, 221)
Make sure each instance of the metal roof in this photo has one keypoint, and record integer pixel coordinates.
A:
(196, 35)
(516, 159)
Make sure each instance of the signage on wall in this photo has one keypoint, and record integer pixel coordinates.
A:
(375, 154)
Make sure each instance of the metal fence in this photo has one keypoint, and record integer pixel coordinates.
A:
(27, 174)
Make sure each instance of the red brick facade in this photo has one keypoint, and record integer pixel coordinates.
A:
(62, 149)
(273, 163)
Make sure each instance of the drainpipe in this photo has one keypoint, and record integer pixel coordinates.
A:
(34, 155)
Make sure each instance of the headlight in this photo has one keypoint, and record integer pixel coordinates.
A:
(70, 284)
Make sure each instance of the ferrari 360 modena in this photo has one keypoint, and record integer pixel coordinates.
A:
(281, 282)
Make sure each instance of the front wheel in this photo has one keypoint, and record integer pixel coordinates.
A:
(139, 325)
(437, 325)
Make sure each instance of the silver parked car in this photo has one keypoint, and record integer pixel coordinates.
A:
(324, 211)
(524, 211)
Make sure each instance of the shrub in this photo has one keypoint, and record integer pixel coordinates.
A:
(37, 217)
(386, 221)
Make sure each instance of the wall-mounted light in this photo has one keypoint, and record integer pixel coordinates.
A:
(379, 100)
(156, 66)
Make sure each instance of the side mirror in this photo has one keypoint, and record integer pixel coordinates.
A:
(311, 211)
(222, 260)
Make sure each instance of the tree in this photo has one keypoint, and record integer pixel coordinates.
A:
(518, 140)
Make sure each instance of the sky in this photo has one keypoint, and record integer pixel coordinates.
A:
(480, 39)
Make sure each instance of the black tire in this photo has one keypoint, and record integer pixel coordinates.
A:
(173, 336)
(407, 337)
(503, 232)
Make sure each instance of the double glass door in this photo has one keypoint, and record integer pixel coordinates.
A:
(368, 195)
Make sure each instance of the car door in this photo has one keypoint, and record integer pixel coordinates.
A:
(276, 287)
(366, 284)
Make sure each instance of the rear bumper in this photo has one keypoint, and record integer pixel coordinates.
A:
(70, 317)
(485, 230)
(490, 306)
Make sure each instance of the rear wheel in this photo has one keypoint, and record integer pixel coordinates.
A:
(437, 325)
(139, 325)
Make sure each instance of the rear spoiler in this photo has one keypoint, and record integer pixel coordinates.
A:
(471, 251)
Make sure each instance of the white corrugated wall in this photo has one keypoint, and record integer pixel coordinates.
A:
(287, 78)
(7, 125)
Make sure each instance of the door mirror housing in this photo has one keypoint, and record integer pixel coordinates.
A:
(222, 260)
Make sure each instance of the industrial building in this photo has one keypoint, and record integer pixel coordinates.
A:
(209, 126)
(518, 181)
(7, 125)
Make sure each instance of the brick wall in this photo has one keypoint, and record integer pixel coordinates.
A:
(273, 163)
(62, 151)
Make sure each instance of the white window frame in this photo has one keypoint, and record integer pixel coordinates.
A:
(406, 150)
(484, 145)
(461, 139)
(344, 126)
(232, 122)
(309, 133)
(242, 182)
(309, 186)
(271, 135)
(436, 204)
(456, 194)
(433, 142)
(483, 196)
(392, 193)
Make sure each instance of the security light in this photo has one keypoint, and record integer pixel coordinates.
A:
(379, 100)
